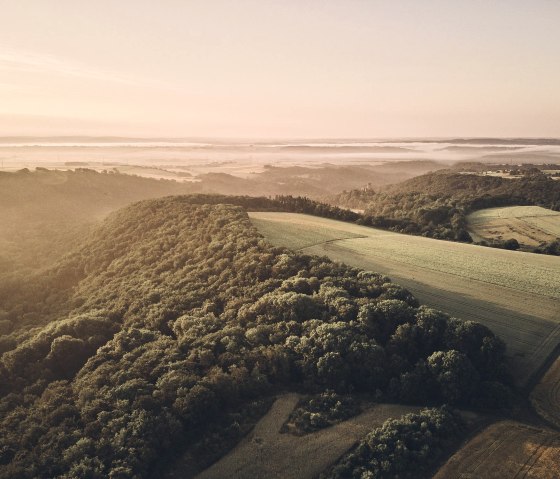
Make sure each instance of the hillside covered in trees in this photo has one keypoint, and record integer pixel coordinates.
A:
(43, 213)
(162, 330)
(436, 204)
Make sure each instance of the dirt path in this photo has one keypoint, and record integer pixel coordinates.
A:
(267, 454)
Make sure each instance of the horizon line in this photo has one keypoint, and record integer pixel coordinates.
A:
(272, 138)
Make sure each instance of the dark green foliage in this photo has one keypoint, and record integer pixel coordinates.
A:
(152, 335)
(408, 447)
(287, 203)
(320, 411)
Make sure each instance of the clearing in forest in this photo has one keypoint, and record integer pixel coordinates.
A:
(506, 449)
(529, 225)
(515, 294)
(267, 453)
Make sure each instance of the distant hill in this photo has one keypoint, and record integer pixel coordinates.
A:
(317, 182)
(436, 204)
(504, 141)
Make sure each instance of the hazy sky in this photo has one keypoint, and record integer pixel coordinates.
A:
(283, 68)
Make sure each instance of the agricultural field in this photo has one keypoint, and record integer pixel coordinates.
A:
(306, 237)
(545, 397)
(267, 453)
(515, 294)
(506, 449)
(529, 225)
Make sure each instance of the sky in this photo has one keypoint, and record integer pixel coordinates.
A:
(279, 69)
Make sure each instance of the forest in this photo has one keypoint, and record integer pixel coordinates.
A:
(404, 448)
(162, 331)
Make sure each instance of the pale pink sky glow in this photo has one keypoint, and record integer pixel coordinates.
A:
(354, 68)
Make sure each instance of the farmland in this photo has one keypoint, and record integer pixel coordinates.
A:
(545, 397)
(506, 449)
(515, 294)
(529, 225)
(266, 452)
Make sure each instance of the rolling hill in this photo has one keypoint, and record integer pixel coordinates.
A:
(164, 331)
(63, 205)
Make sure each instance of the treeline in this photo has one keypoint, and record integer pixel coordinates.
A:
(405, 448)
(437, 204)
(553, 247)
(283, 203)
(153, 336)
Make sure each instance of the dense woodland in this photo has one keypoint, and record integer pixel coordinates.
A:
(320, 411)
(156, 334)
(406, 448)
(436, 204)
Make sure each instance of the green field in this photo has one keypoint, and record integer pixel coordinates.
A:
(515, 294)
(529, 225)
